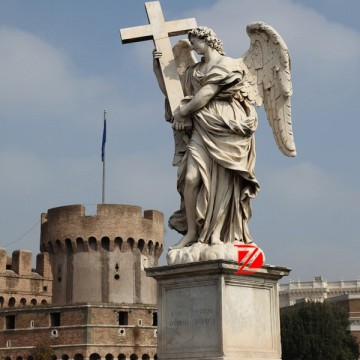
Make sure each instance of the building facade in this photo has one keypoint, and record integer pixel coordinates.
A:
(317, 290)
(343, 293)
(351, 304)
(89, 297)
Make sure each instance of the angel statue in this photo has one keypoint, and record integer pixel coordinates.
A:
(215, 125)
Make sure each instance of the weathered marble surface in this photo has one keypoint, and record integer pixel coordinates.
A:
(208, 312)
(202, 252)
(212, 111)
(216, 176)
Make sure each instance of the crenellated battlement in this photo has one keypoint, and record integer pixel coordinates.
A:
(20, 263)
(102, 257)
(69, 229)
(20, 284)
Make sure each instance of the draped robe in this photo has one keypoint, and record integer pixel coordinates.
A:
(223, 145)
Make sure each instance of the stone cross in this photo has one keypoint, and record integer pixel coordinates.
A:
(160, 31)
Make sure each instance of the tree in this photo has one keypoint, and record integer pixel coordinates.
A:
(43, 352)
(316, 331)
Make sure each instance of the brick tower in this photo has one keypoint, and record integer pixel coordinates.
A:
(101, 258)
(98, 302)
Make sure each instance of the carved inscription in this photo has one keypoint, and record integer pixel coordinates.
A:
(195, 318)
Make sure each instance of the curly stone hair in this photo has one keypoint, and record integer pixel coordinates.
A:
(209, 36)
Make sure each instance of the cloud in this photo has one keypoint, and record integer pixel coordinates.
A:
(320, 49)
(306, 217)
(38, 79)
(51, 114)
(325, 201)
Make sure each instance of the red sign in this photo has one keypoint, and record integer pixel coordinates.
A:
(250, 257)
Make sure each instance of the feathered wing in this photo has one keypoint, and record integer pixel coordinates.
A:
(268, 62)
(184, 56)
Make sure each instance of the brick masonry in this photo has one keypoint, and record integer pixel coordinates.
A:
(89, 297)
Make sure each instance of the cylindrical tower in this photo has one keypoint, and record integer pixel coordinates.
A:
(101, 258)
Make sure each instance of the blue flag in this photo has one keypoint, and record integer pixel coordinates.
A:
(103, 142)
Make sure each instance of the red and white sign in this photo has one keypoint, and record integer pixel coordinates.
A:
(250, 257)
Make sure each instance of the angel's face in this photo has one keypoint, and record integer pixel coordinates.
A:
(198, 45)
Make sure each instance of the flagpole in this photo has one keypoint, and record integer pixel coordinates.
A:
(103, 158)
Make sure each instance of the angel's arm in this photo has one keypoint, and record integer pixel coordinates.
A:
(200, 99)
(157, 71)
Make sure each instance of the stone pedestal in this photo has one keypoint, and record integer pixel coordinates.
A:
(208, 312)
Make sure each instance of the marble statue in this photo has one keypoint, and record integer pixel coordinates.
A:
(216, 121)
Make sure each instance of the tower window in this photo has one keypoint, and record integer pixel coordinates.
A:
(123, 317)
(10, 322)
(55, 319)
(154, 319)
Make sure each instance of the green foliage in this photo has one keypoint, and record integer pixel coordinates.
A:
(43, 352)
(316, 331)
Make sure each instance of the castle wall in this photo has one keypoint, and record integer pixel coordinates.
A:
(101, 258)
(83, 329)
(92, 270)
(20, 285)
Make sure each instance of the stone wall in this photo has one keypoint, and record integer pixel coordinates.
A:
(101, 258)
(84, 330)
(20, 284)
(92, 271)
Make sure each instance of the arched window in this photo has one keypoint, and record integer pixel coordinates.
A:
(65, 357)
(80, 244)
(29, 357)
(19, 358)
(44, 302)
(23, 301)
(12, 302)
(95, 356)
(155, 357)
(133, 357)
(118, 242)
(92, 243)
(33, 302)
(2, 300)
(145, 357)
(157, 249)
(105, 243)
(141, 244)
(78, 357)
(122, 357)
(131, 243)
(50, 247)
(69, 246)
(58, 246)
(109, 357)
(151, 247)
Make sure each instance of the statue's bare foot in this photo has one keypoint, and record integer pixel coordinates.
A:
(187, 239)
(215, 240)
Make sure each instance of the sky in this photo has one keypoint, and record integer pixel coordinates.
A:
(62, 63)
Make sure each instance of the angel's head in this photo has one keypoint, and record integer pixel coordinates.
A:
(208, 36)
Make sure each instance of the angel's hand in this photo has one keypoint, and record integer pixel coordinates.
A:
(157, 54)
(179, 120)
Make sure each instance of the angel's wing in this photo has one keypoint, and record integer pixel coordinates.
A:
(184, 56)
(268, 61)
